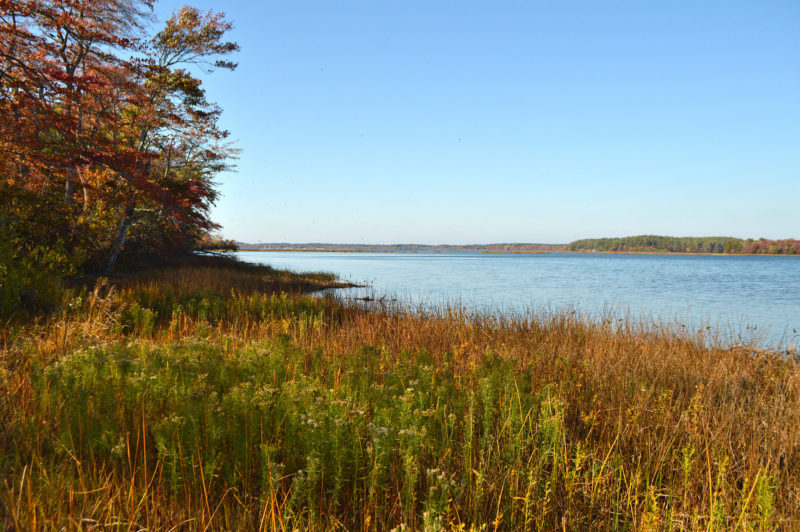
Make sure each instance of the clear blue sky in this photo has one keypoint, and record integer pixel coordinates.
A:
(475, 122)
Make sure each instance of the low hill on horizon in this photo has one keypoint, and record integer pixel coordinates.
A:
(689, 244)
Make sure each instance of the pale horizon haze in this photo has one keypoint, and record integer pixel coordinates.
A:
(477, 122)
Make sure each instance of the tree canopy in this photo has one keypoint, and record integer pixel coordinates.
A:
(107, 141)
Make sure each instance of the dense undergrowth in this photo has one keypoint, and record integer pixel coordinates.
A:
(214, 395)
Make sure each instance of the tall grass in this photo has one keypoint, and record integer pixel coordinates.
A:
(218, 396)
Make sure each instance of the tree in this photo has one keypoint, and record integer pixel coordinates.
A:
(173, 128)
(109, 124)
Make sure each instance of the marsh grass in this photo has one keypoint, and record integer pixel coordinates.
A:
(213, 395)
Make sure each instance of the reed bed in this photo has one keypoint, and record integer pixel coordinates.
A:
(217, 396)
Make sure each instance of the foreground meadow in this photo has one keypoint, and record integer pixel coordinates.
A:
(211, 395)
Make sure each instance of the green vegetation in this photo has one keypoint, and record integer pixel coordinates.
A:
(215, 395)
(670, 244)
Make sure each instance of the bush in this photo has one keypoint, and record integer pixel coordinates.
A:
(25, 286)
(35, 254)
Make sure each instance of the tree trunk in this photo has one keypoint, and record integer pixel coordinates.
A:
(119, 239)
(86, 200)
(85, 190)
(69, 190)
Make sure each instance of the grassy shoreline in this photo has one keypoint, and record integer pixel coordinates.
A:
(218, 395)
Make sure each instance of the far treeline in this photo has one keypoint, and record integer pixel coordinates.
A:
(671, 244)
(627, 244)
(108, 145)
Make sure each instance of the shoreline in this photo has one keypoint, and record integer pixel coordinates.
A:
(510, 252)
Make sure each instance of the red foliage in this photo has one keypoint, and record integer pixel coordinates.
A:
(84, 93)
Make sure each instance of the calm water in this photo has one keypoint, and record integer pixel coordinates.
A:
(747, 297)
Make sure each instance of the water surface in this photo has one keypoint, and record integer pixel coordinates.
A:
(740, 297)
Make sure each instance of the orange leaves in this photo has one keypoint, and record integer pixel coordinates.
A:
(105, 117)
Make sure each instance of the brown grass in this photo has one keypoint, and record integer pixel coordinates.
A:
(657, 431)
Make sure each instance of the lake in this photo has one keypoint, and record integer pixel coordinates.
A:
(742, 298)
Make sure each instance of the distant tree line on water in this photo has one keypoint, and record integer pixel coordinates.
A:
(671, 244)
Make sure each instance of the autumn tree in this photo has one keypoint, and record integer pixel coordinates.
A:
(172, 129)
(107, 128)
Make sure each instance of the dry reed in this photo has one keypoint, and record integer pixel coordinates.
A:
(201, 397)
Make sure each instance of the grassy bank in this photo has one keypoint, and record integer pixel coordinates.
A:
(213, 395)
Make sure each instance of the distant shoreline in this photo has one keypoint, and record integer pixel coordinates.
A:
(628, 245)
(289, 250)
(512, 252)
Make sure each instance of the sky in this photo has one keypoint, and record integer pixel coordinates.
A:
(475, 122)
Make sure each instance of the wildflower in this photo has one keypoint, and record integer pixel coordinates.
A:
(378, 430)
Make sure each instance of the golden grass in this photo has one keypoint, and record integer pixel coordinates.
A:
(339, 417)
